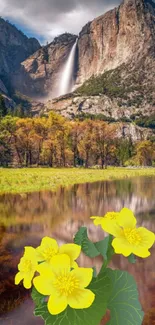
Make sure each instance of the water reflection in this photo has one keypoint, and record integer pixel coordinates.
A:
(26, 218)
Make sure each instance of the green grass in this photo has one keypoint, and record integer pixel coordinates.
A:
(39, 179)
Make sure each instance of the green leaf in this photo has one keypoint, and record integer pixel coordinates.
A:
(101, 286)
(80, 235)
(124, 305)
(37, 297)
(132, 259)
(105, 248)
(94, 272)
(88, 248)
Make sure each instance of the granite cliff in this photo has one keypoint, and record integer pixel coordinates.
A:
(123, 35)
(15, 47)
(115, 62)
(40, 74)
(114, 72)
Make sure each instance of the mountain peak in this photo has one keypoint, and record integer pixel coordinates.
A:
(63, 38)
(15, 47)
(14, 34)
(142, 3)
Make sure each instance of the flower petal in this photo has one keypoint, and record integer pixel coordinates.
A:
(141, 251)
(111, 215)
(46, 243)
(29, 252)
(26, 259)
(74, 265)
(60, 264)
(82, 298)
(40, 257)
(126, 218)
(121, 246)
(97, 220)
(19, 276)
(45, 269)
(148, 237)
(84, 275)
(27, 282)
(44, 285)
(56, 304)
(111, 227)
(20, 268)
(72, 250)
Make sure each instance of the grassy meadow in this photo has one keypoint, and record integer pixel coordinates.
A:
(39, 179)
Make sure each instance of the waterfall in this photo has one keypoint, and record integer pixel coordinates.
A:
(67, 76)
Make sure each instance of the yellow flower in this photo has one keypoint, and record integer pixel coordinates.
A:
(108, 221)
(64, 287)
(27, 267)
(130, 239)
(50, 248)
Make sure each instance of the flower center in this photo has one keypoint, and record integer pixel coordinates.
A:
(111, 215)
(132, 236)
(48, 253)
(27, 266)
(66, 284)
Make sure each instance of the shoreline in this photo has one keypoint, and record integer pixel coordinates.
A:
(28, 180)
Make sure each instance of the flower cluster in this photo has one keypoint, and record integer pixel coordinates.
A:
(55, 274)
(59, 276)
(129, 239)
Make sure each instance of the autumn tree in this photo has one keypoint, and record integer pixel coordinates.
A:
(41, 132)
(27, 141)
(103, 135)
(5, 149)
(74, 140)
(7, 140)
(145, 153)
(57, 140)
(86, 144)
(125, 150)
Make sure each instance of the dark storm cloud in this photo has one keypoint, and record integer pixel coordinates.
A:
(51, 17)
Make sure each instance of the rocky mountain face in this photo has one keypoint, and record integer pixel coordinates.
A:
(103, 107)
(40, 74)
(75, 105)
(15, 47)
(123, 35)
(116, 68)
(114, 72)
(115, 62)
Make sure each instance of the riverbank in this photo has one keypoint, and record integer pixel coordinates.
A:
(39, 179)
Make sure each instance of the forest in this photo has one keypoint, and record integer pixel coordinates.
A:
(57, 142)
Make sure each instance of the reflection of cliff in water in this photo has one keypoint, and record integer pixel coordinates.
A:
(79, 201)
(26, 218)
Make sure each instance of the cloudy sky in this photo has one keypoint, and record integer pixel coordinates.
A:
(46, 19)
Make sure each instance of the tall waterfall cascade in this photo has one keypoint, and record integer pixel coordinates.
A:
(67, 76)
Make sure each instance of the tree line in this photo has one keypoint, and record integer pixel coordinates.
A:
(56, 142)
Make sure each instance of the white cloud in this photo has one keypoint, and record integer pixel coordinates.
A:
(50, 18)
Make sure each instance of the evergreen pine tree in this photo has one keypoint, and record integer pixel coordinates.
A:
(3, 109)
